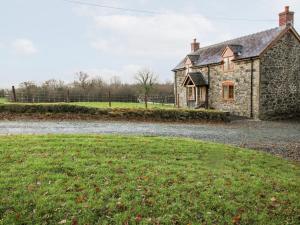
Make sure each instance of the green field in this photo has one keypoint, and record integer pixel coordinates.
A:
(106, 104)
(2, 100)
(90, 179)
(121, 105)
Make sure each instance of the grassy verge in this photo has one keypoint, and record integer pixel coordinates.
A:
(89, 179)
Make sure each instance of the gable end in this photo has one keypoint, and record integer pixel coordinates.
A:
(285, 31)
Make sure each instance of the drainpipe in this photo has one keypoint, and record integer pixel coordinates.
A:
(251, 90)
(207, 89)
(175, 86)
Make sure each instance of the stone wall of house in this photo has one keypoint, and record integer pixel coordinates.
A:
(280, 79)
(240, 76)
(181, 91)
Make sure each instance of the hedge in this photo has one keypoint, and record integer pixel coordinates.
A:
(116, 113)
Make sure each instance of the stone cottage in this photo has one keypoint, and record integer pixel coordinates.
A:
(256, 76)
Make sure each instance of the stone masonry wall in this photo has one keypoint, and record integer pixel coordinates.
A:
(280, 79)
(240, 76)
(181, 91)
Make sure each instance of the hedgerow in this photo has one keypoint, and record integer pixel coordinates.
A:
(117, 113)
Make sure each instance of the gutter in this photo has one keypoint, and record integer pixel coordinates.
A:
(251, 89)
(198, 67)
(217, 64)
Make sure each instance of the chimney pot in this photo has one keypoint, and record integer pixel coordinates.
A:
(287, 9)
(286, 18)
(195, 45)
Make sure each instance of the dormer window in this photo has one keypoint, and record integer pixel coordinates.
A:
(188, 64)
(228, 63)
(229, 54)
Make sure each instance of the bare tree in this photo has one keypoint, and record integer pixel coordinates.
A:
(146, 80)
(29, 88)
(82, 80)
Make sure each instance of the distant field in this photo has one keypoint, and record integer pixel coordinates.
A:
(121, 105)
(91, 179)
(106, 104)
(2, 100)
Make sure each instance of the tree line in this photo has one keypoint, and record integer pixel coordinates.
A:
(86, 86)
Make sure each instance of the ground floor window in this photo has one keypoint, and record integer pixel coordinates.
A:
(228, 90)
(191, 93)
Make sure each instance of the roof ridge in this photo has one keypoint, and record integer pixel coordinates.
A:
(235, 39)
(252, 45)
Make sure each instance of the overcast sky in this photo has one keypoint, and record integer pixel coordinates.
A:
(44, 39)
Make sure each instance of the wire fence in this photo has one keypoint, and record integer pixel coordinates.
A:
(68, 96)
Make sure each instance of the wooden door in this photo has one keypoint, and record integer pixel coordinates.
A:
(202, 94)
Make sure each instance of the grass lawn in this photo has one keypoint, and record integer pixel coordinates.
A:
(90, 179)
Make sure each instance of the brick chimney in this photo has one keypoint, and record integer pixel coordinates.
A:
(286, 18)
(195, 45)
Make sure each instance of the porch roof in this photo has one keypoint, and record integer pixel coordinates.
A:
(197, 79)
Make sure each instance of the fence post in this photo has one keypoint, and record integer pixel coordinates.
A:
(109, 99)
(68, 95)
(14, 93)
(146, 101)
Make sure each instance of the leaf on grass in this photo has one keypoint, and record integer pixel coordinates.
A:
(18, 216)
(81, 199)
(97, 189)
(273, 199)
(236, 219)
(62, 222)
(30, 187)
(138, 218)
(74, 221)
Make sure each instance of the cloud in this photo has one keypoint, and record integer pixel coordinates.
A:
(280, 4)
(24, 47)
(156, 35)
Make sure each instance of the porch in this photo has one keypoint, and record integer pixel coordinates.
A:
(196, 90)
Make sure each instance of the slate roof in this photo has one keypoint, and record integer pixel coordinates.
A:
(250, 46)
(197, 78)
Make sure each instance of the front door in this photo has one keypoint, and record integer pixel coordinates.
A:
(191, 96)
(202, 94)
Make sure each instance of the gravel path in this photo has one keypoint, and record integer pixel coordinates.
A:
(280, 138)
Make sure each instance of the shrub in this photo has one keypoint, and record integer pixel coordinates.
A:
(118, 113)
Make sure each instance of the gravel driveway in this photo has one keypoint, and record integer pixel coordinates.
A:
(280, 138)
